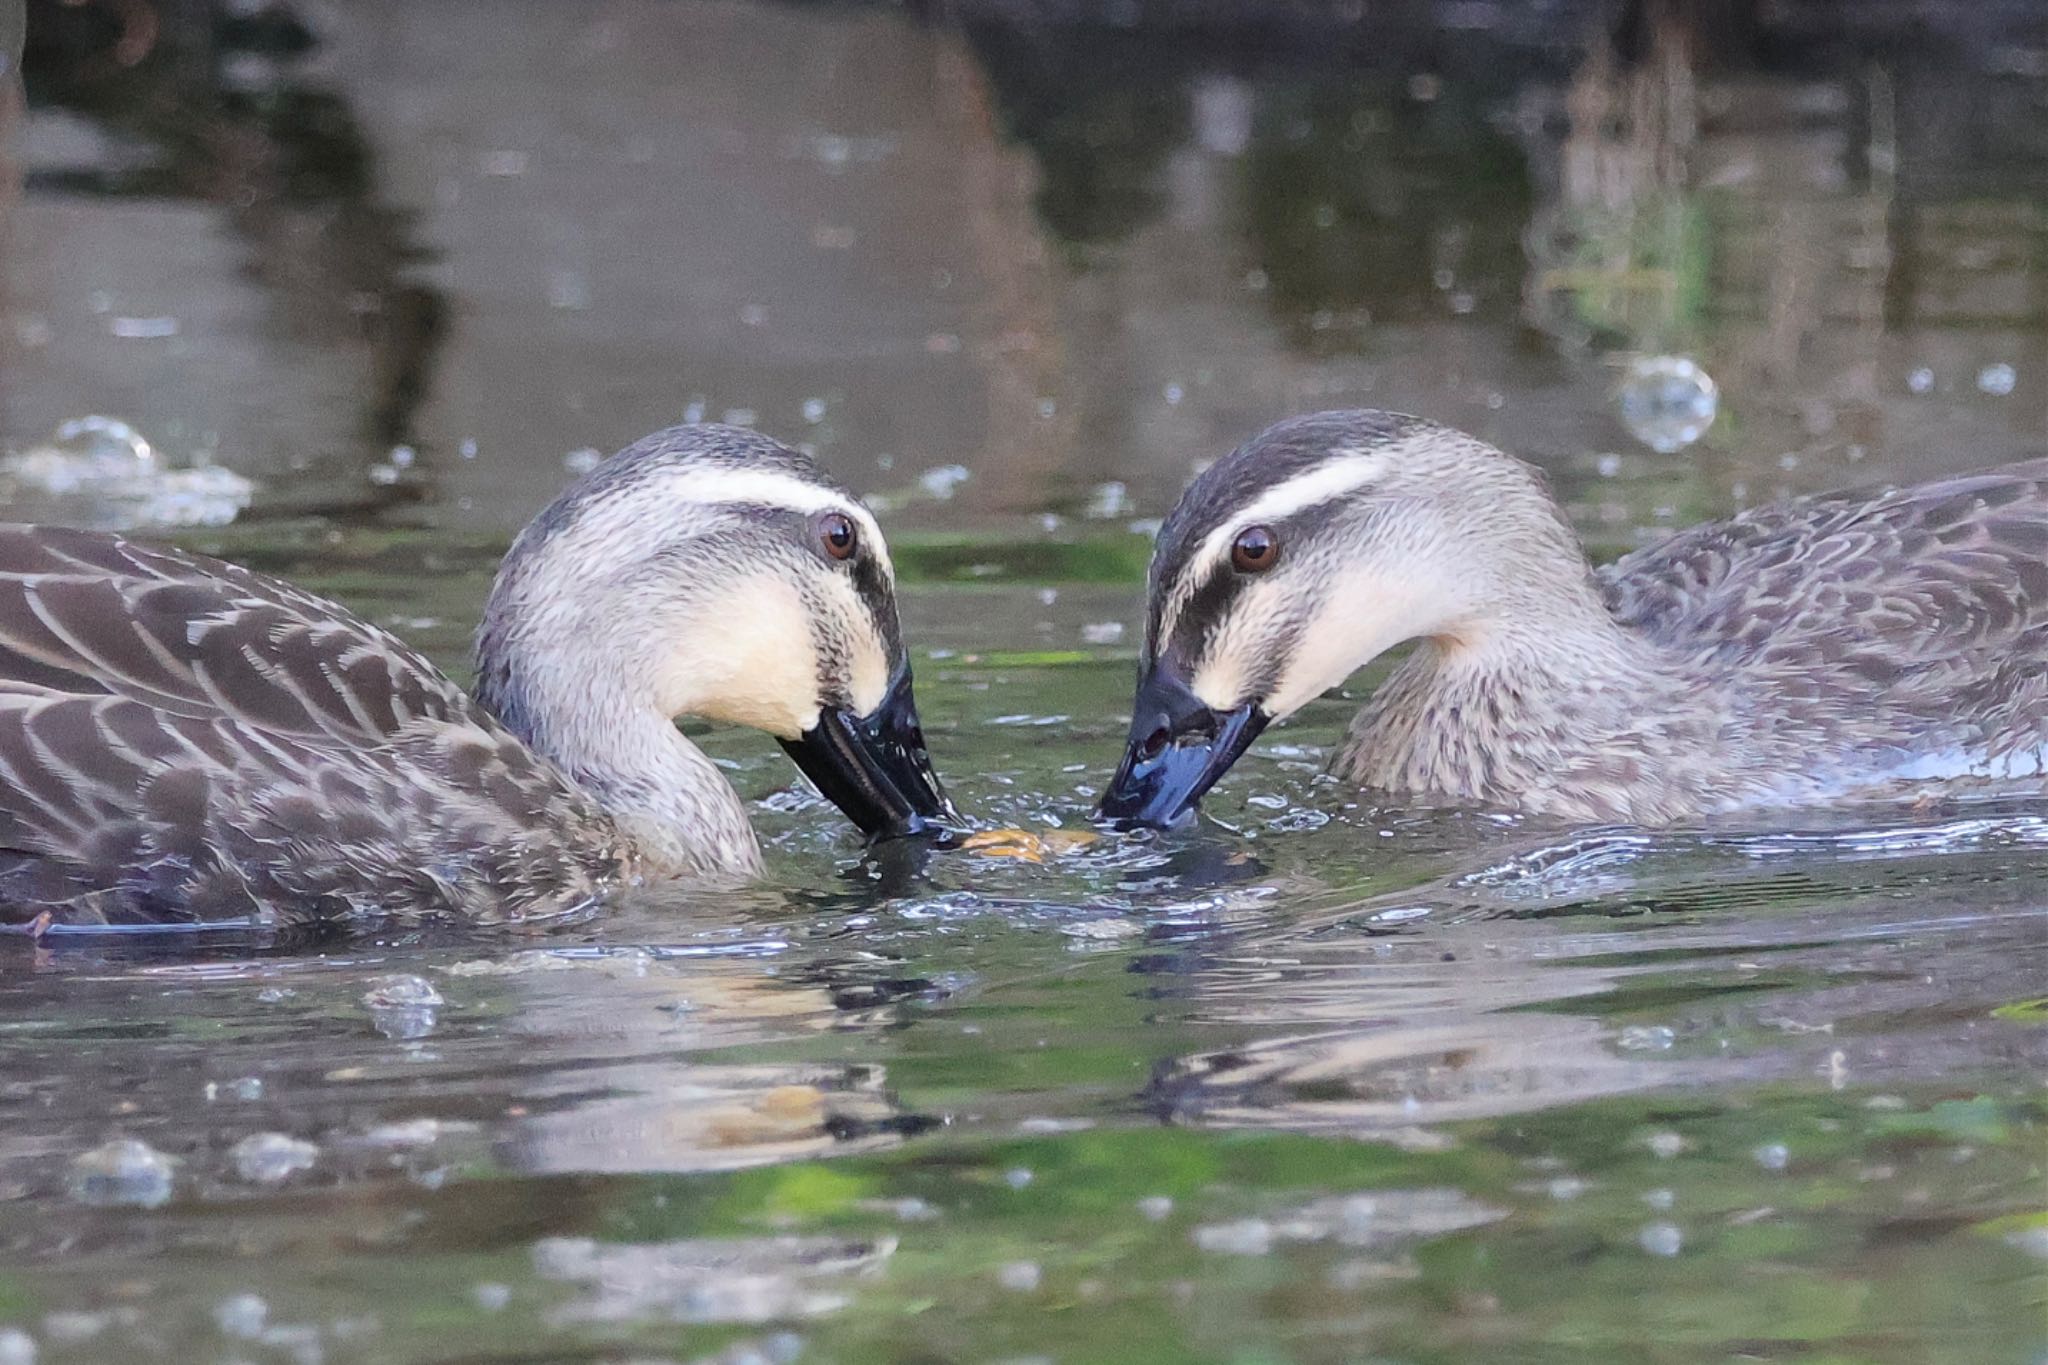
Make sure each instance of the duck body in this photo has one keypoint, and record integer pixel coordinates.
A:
(185, 740)
(1848, 646)
(1840, 647)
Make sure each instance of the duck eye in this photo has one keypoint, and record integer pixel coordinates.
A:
(1256, 550)
(835, 531)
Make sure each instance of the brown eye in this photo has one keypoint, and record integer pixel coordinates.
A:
(1257, 550)
(835, 529)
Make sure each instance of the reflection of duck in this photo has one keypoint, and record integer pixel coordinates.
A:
(1835, 646)
(185, 739)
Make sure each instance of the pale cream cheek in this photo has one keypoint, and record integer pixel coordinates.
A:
(746, 659)
(1359, 619)
(867, 680)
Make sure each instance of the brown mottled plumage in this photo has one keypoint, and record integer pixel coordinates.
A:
(184, 740)
(1847, 646)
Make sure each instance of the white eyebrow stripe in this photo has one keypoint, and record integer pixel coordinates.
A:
(773, 488)
(1347, 469)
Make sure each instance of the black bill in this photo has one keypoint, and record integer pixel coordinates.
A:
(874, 767)
(1178, 747)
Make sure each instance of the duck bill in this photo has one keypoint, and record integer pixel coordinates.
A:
(1178, 747)
(874, 767)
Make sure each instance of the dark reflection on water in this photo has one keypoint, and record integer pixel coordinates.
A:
(1315, 1074)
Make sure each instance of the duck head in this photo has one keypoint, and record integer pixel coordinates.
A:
(1296, 560)
(709, 571)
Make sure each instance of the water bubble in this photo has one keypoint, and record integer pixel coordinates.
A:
(1156, 1207)
(1997, 380)
(399, 990)
(1647, 1038)
(1666, 1145)
(1019, 1277)
(491, 1297)
(814, 410)
(1017, 1178)
(144, 328)
(16, 1347)
(1108, 501)
(242, 1315)
(1173, 393)
(124, 1171)
(942, 481)
(1661, 1239)
(1921, 380)
(1772, 1156)
(1668, 402)
(246, 1088)
(1566, 1187)
(1246, 1237)
(694, 412)
(272, 1158)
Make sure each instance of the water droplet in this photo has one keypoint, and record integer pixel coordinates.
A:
(1921, 380)
(1173, 393)
(16, 1347)
(242, 1315)
(1102, 632)
(1661, 1239)
(1668, 402)
(1772, 1156)
(814, 410)
(739, 417)
(1659, 1199)
(1566, 1187)
(753, 315)
(1017, 1178)
(1647, 1038)
(1997, 380)
(1156, 1207)
(123, 1171)
(491, 1297)
(272, 1158)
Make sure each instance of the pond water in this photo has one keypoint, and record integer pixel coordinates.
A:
(1316, 1081)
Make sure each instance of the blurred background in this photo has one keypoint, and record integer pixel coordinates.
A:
(1016, 256)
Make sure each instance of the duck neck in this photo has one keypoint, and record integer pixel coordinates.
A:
(676, 808)
(1491, 713)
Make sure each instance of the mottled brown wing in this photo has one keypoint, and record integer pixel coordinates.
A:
(86, 614)
(182, 738)
(1926, 573)
(1922, 613)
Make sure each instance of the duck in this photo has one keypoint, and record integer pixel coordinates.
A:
(1838, 648)
(183, 740)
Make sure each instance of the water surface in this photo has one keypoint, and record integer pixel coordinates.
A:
(1316, 1082)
